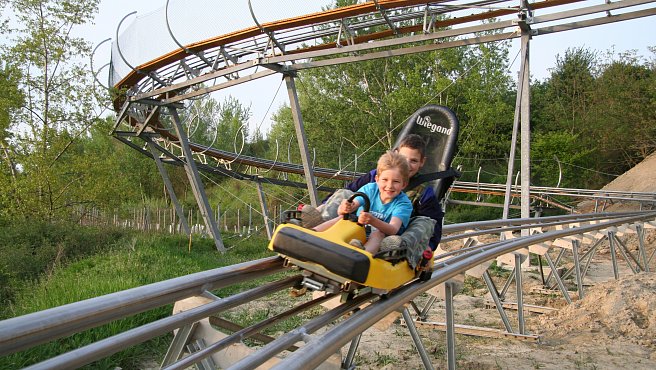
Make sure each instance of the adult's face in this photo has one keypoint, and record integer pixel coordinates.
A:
(413, 156)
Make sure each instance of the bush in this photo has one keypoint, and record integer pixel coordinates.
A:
(464, 213)
(30, 249)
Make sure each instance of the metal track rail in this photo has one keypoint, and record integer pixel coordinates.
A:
(537, 192)
(319, 348)
(24, 332)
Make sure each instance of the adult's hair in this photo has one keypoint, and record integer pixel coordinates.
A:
(414, 141)
(391, 160)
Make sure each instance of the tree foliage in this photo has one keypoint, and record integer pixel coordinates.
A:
(58, 104)
(605, 104)
(592, 117)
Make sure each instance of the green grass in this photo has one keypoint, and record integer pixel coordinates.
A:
(497, 271)
(128, 262)
(29, 250)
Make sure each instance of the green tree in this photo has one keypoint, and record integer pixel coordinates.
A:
(59, 104)
(485, 105)
(102, 157)
(11, 101)
(561, 111)
(595, 114)
(624, 103)
(569, 90)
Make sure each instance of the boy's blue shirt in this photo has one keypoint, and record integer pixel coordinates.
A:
(400, 206)
(426, 205)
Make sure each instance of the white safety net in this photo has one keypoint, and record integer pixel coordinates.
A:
(146, 37)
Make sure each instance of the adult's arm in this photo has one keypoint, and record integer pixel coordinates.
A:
(357, 183)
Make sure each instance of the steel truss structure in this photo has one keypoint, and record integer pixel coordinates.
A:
(156, 89)
(148, 120)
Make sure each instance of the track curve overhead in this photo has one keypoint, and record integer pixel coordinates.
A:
(245, 41)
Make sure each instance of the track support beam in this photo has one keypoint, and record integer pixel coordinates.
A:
(196, 183)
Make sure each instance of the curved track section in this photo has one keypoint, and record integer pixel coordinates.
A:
(357, 313)
(179, 72)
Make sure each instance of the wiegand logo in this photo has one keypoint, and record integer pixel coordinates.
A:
(426, 122)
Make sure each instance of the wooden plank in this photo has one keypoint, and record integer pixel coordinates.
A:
(478, 331)
(527, 307)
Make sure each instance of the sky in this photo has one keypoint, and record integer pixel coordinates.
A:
(261, 95)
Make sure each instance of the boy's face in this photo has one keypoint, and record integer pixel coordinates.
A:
(390, 184)
(413, 156)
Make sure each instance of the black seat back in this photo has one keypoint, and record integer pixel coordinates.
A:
(439, 127)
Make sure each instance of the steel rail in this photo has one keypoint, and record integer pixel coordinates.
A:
(328, 173)
(32, 329)
(26, 331)
(619, 194)
(458, 186)
(294, 24)
(514, 227)
(244, 333)
(302, 332)
(108, 346)
(319, 348)
(533, 222)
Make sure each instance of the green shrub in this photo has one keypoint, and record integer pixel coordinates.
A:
(28, 250)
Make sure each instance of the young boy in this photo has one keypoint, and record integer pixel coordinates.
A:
(426, 225)
(390, 209)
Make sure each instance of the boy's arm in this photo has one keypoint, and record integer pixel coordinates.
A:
(390, 228)
(347, 207)
(362, 181)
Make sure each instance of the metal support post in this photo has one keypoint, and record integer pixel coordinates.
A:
(513, 143)
(196, 184)
(520, 297)
(302, 140)
(415, 308)
(497, 302)
(180, 340)
(347, 364)
(624, 251)
(577, 267)
(559, 281)
(525, 132)
(590, 252)
(506, 285)
(561, 252)
(424, 313)
(641, 245)
(613, 256)
(450, 327)
(169, 186)
(412, 328)
(265, 211)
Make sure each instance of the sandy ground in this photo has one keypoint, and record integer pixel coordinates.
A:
(612, 327)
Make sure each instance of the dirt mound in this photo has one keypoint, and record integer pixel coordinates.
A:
(623, 309)
(641, 178)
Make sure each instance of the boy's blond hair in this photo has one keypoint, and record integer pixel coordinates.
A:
(391, 160)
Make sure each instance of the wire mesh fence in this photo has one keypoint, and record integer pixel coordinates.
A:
(242, 221)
